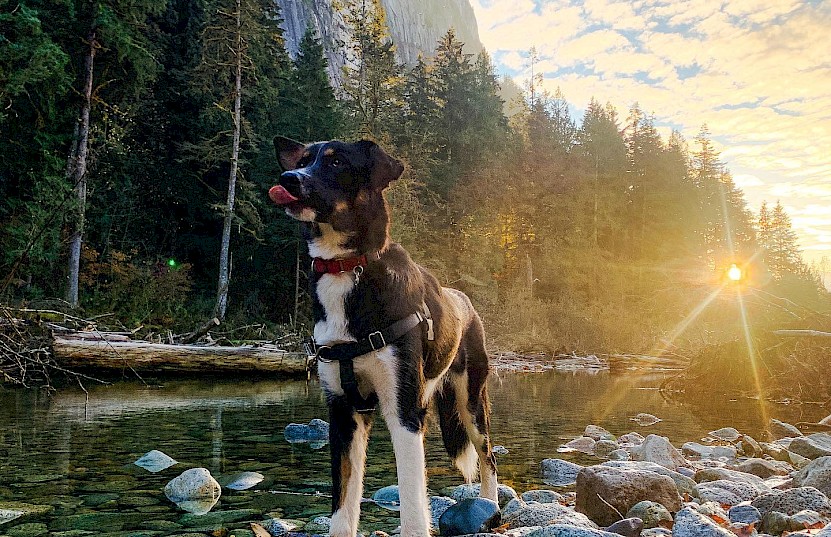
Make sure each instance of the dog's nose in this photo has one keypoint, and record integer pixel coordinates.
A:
(291, 181)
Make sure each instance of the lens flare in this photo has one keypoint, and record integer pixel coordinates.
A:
(734, 273)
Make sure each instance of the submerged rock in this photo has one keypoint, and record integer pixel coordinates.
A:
(155, 461)
(473, 515)
(244, 480)
(315, 432)
(559, 473)
(645, 420)
(388, 498)
(582, 444)
(603, 492)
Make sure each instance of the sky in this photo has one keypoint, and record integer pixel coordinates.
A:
(757, 72)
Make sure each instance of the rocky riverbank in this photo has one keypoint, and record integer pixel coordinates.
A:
(727, 484)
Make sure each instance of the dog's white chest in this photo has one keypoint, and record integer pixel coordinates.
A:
(332, 290)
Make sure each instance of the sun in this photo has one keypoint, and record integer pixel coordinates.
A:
(734, 273)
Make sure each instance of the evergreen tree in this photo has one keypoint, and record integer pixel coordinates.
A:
(372, 77)
(781, 252)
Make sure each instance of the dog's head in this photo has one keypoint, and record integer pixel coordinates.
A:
(331, 182)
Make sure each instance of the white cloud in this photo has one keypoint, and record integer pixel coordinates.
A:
(757, 73)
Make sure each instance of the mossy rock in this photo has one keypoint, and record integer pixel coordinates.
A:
(219, 518)
(29, 510)
(161, 525)
(30, 529)
(98, 521)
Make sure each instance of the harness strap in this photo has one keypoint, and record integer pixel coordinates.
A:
(345, 354)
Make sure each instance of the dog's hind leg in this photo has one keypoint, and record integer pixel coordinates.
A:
(348, 436)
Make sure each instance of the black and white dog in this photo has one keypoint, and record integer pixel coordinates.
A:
(386, 331)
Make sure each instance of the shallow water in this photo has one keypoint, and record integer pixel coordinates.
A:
(75, 452)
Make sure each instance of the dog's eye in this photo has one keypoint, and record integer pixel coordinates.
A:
(337, 163)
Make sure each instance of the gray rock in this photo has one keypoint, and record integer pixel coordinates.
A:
(566, 530)
(155, 461)
(194, 490)
(694, 449)
(631, 439)
(813, 446)
(745, 514)
(775, 452)
(658, 449)
(519, 514)
(762, 468)
(780, 429)
(438, 505)
(583, 444)
(541, 496)
(816, 474)
(684, 483)
(656, 532)
(806, 519)
(690, 523)
(602, 448)
(774, 522)
(278, 527)
(619, 455)
(320, 524)
(798, 460)
(742, 529)
(472, 515)
(559, 473)
(317, 430)
(726, 492)
(726, 474)
(653, 514)
(598, 433)
(710, 509)
(604, 491)
(728, 434)
(628, 527)
(792, 501)
(749, 447)
(504, 493)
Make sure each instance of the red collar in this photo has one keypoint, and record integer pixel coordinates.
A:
(336, 266)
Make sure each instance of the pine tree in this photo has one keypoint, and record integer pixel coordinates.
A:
(372, 77)
(782, 255)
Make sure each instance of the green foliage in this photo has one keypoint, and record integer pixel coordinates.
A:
(589, 233)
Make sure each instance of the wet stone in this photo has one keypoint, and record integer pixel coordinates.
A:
(472, 515)
(160, 525)
(278, 527)
(30, 529)
(96, 521)
(240, 533)
(218, 517)
(71, 533)
(137, 501)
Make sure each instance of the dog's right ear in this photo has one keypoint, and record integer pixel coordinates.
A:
(289, 152)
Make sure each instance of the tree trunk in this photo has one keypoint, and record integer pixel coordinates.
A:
(77, 170)
(224, 272)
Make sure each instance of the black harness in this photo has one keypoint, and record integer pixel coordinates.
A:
(345, 354)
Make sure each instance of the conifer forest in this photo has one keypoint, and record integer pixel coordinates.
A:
(136, 142)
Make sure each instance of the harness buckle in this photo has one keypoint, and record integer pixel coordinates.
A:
(379, 335)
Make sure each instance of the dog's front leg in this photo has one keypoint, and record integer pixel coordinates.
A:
(404, 416)
(348, 435)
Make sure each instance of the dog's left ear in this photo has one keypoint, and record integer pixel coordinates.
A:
(385, 169)
(288, 152)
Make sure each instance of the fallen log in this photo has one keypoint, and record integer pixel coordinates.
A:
(144, 356)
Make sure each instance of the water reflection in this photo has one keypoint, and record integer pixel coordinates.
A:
(75, 451)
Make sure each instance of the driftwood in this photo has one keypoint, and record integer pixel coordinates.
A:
(144, 356)
(801, 333)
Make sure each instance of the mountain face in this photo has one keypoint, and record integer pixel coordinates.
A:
(415, 26)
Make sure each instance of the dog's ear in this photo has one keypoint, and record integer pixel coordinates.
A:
(288, 151)
(384, 168)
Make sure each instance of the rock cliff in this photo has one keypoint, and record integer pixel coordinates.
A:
(415, 26)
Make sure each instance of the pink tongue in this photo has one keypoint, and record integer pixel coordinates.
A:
(280, 195)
